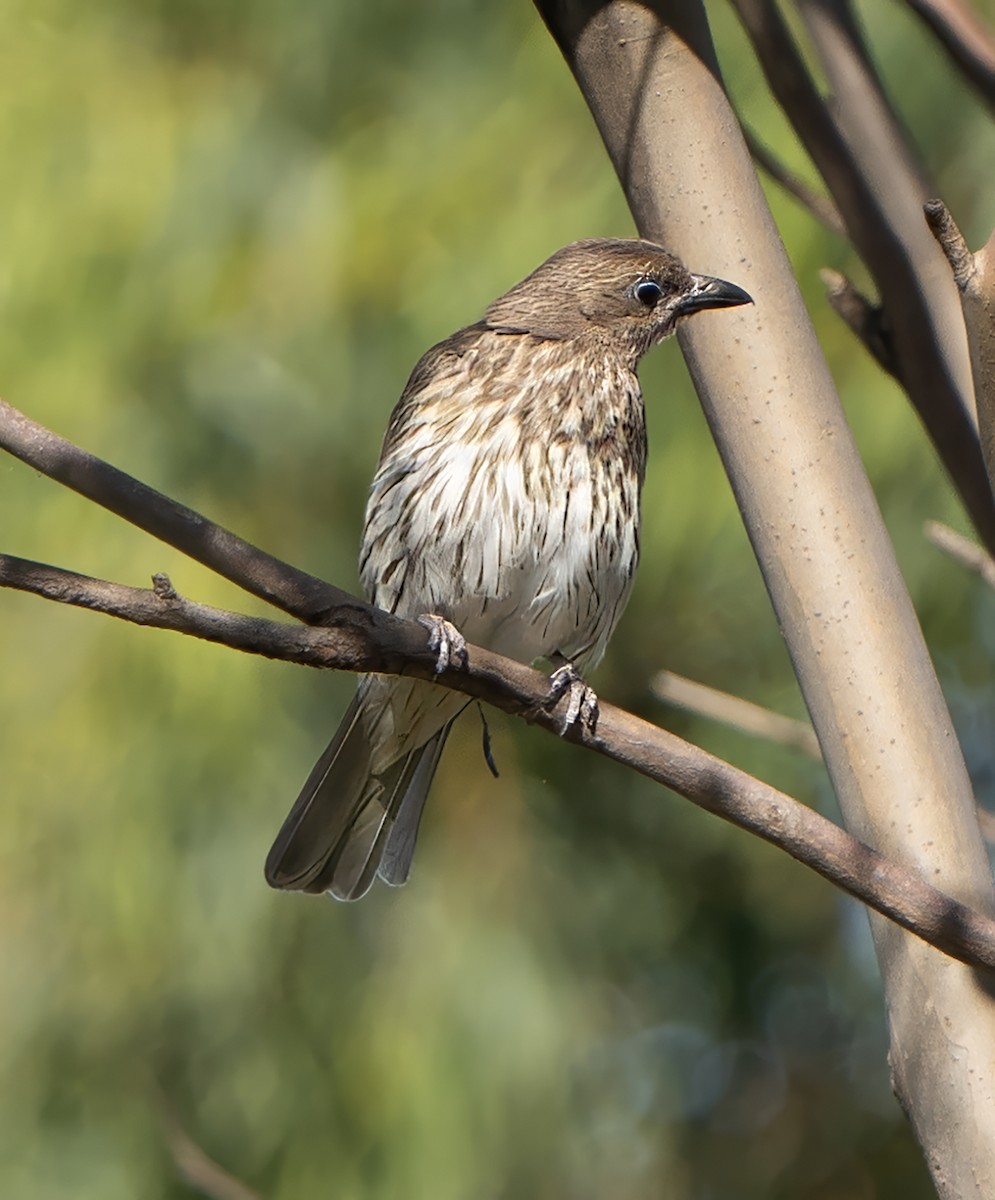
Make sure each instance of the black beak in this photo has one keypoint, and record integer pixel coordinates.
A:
(707, 292)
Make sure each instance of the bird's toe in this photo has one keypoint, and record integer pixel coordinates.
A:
(445, 641)
(582, 703)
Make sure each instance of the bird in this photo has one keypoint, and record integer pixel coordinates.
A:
(505, 511)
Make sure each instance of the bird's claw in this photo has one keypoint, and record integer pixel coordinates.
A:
(446, 643)
(583, 703)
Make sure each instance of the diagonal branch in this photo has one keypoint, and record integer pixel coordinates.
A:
(389, 647)
(354, 636)
(735, 712)
(866, 320)
(867, 170)
(962, 550)
(968, 41)
(821, 207)
(252, 569)
(194, 1165)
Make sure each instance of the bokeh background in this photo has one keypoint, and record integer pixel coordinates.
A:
(227, 231)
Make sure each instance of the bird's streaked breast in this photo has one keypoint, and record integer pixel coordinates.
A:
(509, 502)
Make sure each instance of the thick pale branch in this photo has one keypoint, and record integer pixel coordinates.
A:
(862, 108)
(888, 887)
(648, 72)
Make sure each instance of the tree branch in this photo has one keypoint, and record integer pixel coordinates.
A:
(944, 228)
(869, 173)
(648, 71)
(252, 569)
(962, 550)
(735, 712)
(866, 320)
(194, 1165)
(709, 782)
(974, 275)
(819, 205)
(966, 39)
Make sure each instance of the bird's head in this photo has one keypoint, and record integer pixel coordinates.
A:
(626, 292)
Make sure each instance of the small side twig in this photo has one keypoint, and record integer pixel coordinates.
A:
(974, 275)
(817, 203)
(194, 1165)
(866, 320)
(951, 240)
(735, 712)
(962, 550)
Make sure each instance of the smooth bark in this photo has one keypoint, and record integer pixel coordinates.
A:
(651, 80)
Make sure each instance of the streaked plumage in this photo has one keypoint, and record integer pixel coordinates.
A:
(506, 501)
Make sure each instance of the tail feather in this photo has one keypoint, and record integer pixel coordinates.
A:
(351, 870)
(314, 827)
(348, 823)
(395, 865)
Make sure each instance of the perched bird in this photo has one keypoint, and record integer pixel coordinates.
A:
(505, 508)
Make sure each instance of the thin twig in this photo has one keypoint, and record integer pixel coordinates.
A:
(761, 722)
(735, 712)
(818, 204)
(252, 569)
(962, 550)
(968, 41)
(195, 1166)
(865, 320)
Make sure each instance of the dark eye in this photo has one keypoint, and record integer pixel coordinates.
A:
(648, 292)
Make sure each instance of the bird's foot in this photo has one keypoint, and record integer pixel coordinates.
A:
(446, 643)
(583, 703)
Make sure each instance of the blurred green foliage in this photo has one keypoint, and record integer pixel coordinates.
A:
(228, 230)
